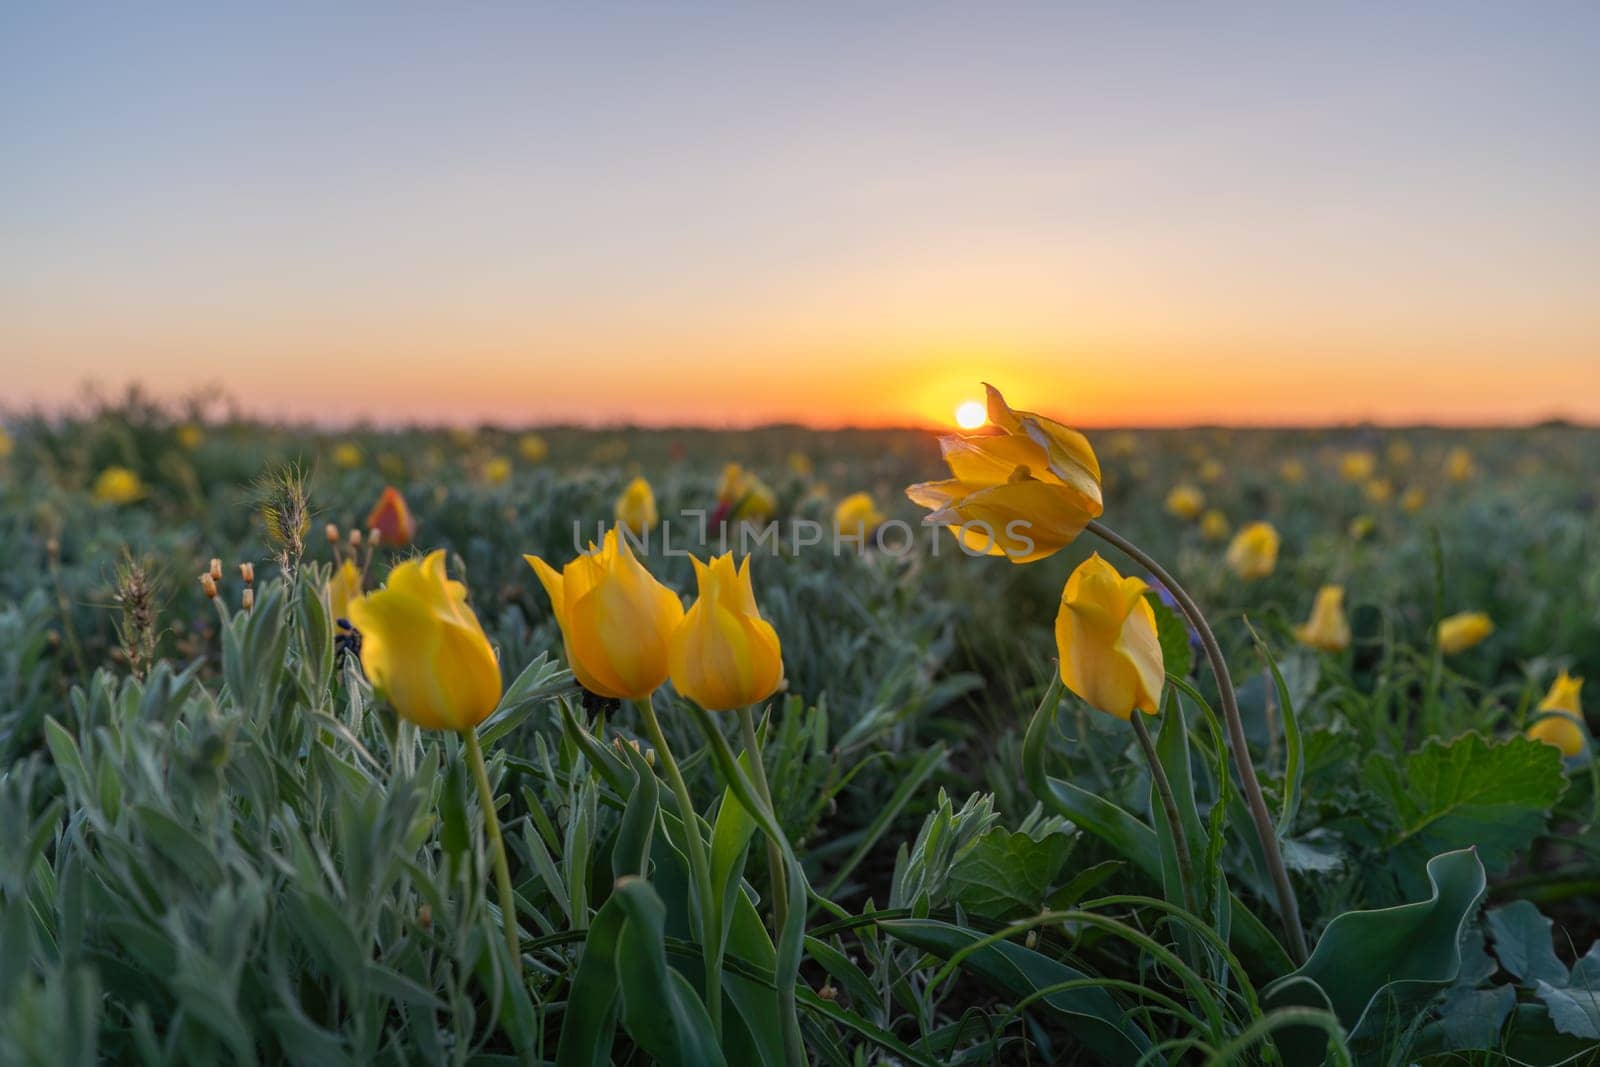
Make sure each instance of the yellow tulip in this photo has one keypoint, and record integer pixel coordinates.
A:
(1214, 525)
(636, 507)
(800, 464)
(1357, 466)
(1462, 631)
(532, 448)
(1413, 500)
(118, 485)
(1292, 471)
(1361, 527)
(1564, 696)
(424, 650)
(1185, 501)
(616, 620)
(1327, 628)
(6, 443)
(344, 587)
(1106, 639)
(1254, 551)
(347, 455)
(1399, 452)
(496, 470)
(392, 519)
(1378, 490)
(191, 436)
(1458, 465)
(1211, 470)
(1562, 731)
(856, 516)
(724, 655)
(1563, 725)
(1024, 493)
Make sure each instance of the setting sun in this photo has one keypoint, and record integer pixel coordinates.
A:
(970, 414)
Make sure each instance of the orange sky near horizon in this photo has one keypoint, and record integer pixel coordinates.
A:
(1275, 215)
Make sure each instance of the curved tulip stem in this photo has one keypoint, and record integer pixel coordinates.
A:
(1288, 907)
(497, 846)
(1169, 803)
(699, 866)
(758, 773)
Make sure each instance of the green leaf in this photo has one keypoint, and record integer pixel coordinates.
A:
(1575, 1012)
(1090, 1011)
(1294, 762)
(1523, 943)
(1132, 839)
(1470, 792)
(1006, 875)
(1473, 1018)
(630, 853)
(1364, 953)
(660, 1009)
(1172, 630)
(590, 1023)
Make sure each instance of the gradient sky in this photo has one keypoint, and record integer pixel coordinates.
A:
(1124, 213)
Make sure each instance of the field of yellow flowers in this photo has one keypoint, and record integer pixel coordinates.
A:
(782, 746)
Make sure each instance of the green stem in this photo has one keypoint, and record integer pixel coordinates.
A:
(699, 867)
(1169, 802)
(758, 772)
(497, 846)
(1288, 907)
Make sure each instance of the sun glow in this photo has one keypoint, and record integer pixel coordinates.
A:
(970, 414)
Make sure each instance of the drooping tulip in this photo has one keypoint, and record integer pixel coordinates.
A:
(1024, 493)
(1327, 628)
(636, 507)
(423, 648)
(724, 655)
(392, 519)
(1461, 631)
(857, 516)
(1185, 501)
(1253, 552)
(1106, 639)
(616, 620)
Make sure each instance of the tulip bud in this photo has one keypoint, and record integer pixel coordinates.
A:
(636, 508)
(1106, 639)
(615, 619)
(247, 571)
(424, 649)
(392, 518)
(1460, 632)
(247, 599)
(724, 654)
(209, 584)
(1185, 501)
(355, 538)
(856, 516)
(1254, 551)
(1327, 629)
(216, 569)
(1561, 716)
(343, 588)
(332, 533)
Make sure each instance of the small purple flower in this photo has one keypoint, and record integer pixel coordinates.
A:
(1166, 597)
